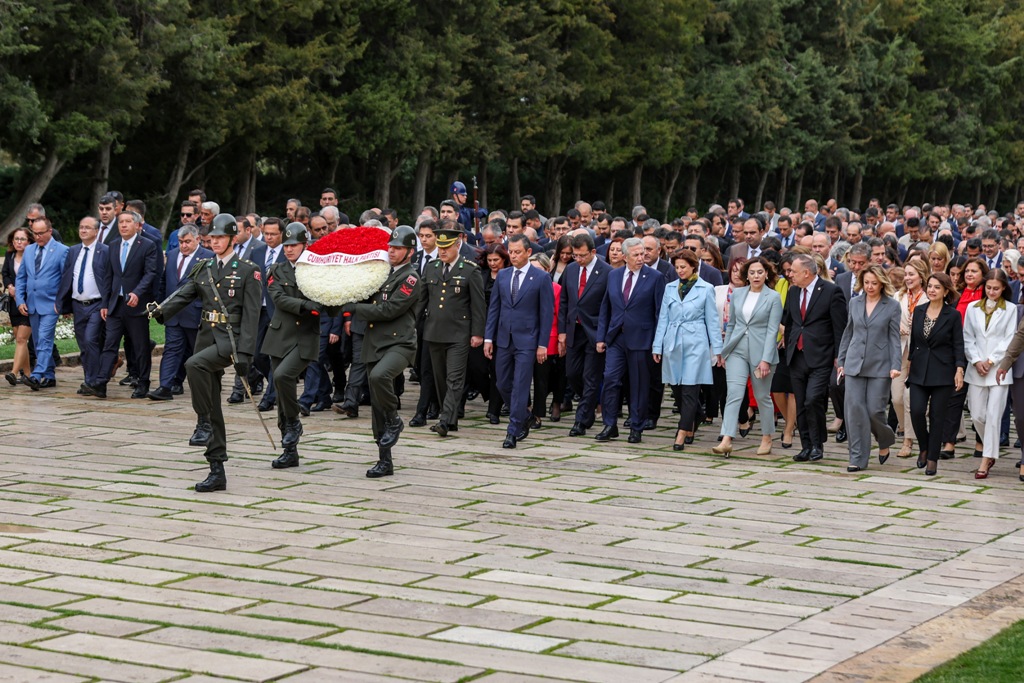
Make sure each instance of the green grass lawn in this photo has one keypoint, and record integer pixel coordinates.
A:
(999, 660)
(156, 333)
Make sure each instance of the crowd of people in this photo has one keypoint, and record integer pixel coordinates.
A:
(898, 316)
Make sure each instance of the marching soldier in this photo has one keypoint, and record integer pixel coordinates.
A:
(292, 341)
(390, 342)
(455, 316)
(231, 292)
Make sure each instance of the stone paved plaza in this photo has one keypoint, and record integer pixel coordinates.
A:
(562, 560)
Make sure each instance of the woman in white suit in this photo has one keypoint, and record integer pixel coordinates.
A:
(751, 350)
(869, 359)
(988, 328)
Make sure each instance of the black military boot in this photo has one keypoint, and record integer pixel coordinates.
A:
(384, 466)
(392, 429)
(215, 481)
(291, 434)
(203, 433)
(290, 458)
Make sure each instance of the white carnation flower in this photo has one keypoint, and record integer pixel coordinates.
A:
(335, 285)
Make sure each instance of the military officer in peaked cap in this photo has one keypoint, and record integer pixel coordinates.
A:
(231, 291)
(390, 342)
(454, 320)
(292, 340)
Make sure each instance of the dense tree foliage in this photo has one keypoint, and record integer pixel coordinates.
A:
(666, 102)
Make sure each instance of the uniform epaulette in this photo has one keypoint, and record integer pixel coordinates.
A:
(199, 265)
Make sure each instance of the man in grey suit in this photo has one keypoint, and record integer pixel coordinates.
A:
(870, 358)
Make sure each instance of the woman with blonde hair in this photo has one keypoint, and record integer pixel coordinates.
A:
(915, 276)
(938, 257)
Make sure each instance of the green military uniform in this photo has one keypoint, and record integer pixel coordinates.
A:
(389, 344)
(455, 311)
(236, 284)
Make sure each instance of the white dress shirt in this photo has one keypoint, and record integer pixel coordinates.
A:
(90, 290)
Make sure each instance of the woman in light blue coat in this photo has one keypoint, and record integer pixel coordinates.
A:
(688, 341)
(751, 351)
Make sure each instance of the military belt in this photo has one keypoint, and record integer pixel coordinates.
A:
(218, 317)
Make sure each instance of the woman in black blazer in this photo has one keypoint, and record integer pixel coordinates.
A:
(937, 363)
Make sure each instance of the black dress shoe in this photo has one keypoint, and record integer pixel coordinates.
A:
(81, 390)
(414, 377)
(688, 440)
(608, 433)
(841, 435)
(510, 441)
(267, 403)
(237, 396)
(523, 434)
(634, 436)
(391, 431)
(141, 390)
(32, 383)
(803, 456)
(291, 434)
(346, 408)
(128, 380)
(11, 378)
(433, 413)
(160, 394)
(303, 410)
(418, 420)
(177, 390)
(650, 424)
(47, 383)
(339, 397)
(215, 481)
(454, 427)
(628, 423)
(203, 433)
(256, 387)
(949, 455)
(815, 455)
(290, 458)
(577, 430)
(1016, 444)
(853, 468)
(320, 406)
(493, 419)
(98, 390)
(504, 411)
(1004, 441)
(744, 432)
(440, 429)
(678, 447)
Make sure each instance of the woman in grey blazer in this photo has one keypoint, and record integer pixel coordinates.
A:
(751, 350)
(870, 358)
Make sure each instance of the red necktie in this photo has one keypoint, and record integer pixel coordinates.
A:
(628, 289)
(583, 282)
(181, 262)
(803, 315)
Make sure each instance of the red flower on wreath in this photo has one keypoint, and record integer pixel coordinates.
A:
(352, 241)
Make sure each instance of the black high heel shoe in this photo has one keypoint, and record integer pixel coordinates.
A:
(922, 460)
(933, 468)
(679, 446)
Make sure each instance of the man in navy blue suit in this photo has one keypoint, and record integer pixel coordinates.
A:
(83, 293)
(625, 333)
(584, 282)
(134, 282)
(42, 268)
(248, 247)
(519, 323)
(180, 331)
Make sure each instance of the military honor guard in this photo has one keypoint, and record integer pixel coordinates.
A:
(454, 321)
(292, 340)
(389, 344)
(231, 290)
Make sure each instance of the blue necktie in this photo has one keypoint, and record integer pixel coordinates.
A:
(124, 254)
(39, 258)
(515, 285)
(81, 272)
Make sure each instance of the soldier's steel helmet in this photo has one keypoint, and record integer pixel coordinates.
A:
(294, 233)
(223, 224)
(403, 236)
(458, 187)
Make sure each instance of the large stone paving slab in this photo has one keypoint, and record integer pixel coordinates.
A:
(564, 559)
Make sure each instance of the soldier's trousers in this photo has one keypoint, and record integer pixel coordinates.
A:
(204, 370)
(357, 371)
(286, 373)
(448, 362)
(382, 373)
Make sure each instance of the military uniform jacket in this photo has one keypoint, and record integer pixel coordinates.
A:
(391, 314)
(290, 327)
(455, 309)
(239, 287)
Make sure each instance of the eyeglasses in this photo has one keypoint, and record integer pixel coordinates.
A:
(187, 215)
(40, 234)
(20, 239)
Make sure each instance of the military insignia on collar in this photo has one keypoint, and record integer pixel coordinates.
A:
(411, 280)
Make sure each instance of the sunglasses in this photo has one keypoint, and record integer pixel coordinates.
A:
(187, 215)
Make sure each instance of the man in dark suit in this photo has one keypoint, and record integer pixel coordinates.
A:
(814, 318)
(83, 290)
(625, 331)
(584, 282)
(428, 404)
(106, 208)
(139, 207)
(652, 257)
(518, 329)
(248, 248)
(134, 268)
(273, 253)
(754, 230)
(709, 274)
(180, 330)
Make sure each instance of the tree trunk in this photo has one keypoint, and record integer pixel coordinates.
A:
(419, 185)
(948, 199)
(901, 196)
(994, 197)
(174, 186)
(734, 181)
(481, 177)
(332, 174)
(33, 193)
(513, 178)
(858, 189)
(577, 185)
(245, 199)
(609, 197)
(762, 180)
(636, 190)
(977, 192)
(382, 181)
(691, 187)
(780, 191)
(100, 173)
(835, 184)
(553, 185)
(797, 191)
(673, 177)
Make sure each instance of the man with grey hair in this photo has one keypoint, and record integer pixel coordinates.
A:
(332, 216)
(179, 331)
(370, 215)
(291, 207)
(207, 210)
